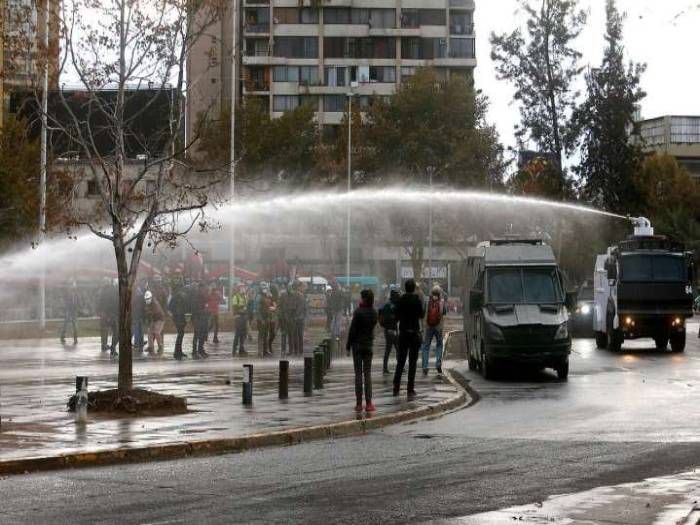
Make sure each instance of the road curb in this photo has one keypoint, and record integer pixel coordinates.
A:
(230, 445)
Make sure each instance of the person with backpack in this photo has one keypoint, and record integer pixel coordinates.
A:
(435, 313)
(360, 343)
(389, 321)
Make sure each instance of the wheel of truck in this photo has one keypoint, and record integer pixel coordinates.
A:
(473, 363)
(615, 338)
(661, 342)
(563, 371)
(601, 340)
(678, 342)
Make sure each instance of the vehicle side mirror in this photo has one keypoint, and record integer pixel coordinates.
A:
(476, 300)
(571, 300)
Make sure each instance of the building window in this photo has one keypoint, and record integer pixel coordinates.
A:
(335, 76)
(461, 23)
(302, 74)
(414, 48)
(92, 188)
(334, 103)
(295, 15)
(382, 74)
(382, 18)
(432, 17)
(257, 47)
(296, 47)
(285, 102)
(282, 103)
(336, 15)
(372, 47)
(462, 48)
(257, 19)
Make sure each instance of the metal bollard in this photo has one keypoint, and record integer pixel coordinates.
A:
(81, 399)
(284, 380)
(327, 355)
(80, 383)
(308, 374)
(247, 385)
(318, 369)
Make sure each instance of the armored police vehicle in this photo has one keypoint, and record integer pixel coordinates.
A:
(643, 288)
(516, 307)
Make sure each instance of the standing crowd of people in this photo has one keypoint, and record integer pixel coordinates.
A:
(410, 322)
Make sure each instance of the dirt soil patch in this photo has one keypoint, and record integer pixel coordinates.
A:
(137, 402)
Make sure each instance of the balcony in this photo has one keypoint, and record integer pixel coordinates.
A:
(257, 28)
(462, 29)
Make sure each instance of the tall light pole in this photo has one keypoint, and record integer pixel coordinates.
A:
(349, 210)
(431, 170)
(232, 153)
(43, 162)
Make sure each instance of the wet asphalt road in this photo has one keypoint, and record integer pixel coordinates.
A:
(620, 418)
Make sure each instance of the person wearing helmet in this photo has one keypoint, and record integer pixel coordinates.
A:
(436, 310)
(155, 319)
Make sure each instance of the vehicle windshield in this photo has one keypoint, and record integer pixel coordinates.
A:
(524, 286)
(658, 268)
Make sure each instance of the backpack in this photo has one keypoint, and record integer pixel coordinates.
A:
(387, 315)
(434, 312)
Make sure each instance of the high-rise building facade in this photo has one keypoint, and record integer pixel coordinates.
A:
(317, 51)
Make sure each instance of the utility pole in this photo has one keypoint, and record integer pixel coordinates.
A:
(349, 217)
(43, 162)
(430, 229)
(232, 157)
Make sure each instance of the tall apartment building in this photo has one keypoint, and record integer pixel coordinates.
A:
(22, 26)
(316, 51)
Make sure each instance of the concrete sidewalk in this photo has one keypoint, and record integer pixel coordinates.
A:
(37, 377)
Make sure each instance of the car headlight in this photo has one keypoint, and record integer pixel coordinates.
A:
(494, 333)
(585, 309)
(562, 332)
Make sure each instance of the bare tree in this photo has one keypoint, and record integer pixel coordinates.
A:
(129, 61)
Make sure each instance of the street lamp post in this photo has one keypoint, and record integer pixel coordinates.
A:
(232, 153)
(431, 170)
(43, 162)
(349, 209)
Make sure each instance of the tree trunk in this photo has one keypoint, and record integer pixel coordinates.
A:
(125, 379)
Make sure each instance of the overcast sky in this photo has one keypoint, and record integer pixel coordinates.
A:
(663, 33)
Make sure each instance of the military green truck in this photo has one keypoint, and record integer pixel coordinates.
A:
(516, 308)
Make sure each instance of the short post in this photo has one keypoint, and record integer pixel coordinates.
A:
(318, 369)
(81, 399)
(284, 380)
(327, 352)
(308, 374)
(80, 383)
(247, 385)
(333, 345)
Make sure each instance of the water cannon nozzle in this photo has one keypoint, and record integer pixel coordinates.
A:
(642, 227)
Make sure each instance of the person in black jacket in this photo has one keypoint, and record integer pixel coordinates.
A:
(389, 321)
(361, 341)
(178, 307)
(410, 311)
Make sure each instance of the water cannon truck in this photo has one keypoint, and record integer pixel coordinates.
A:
(643, 288)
